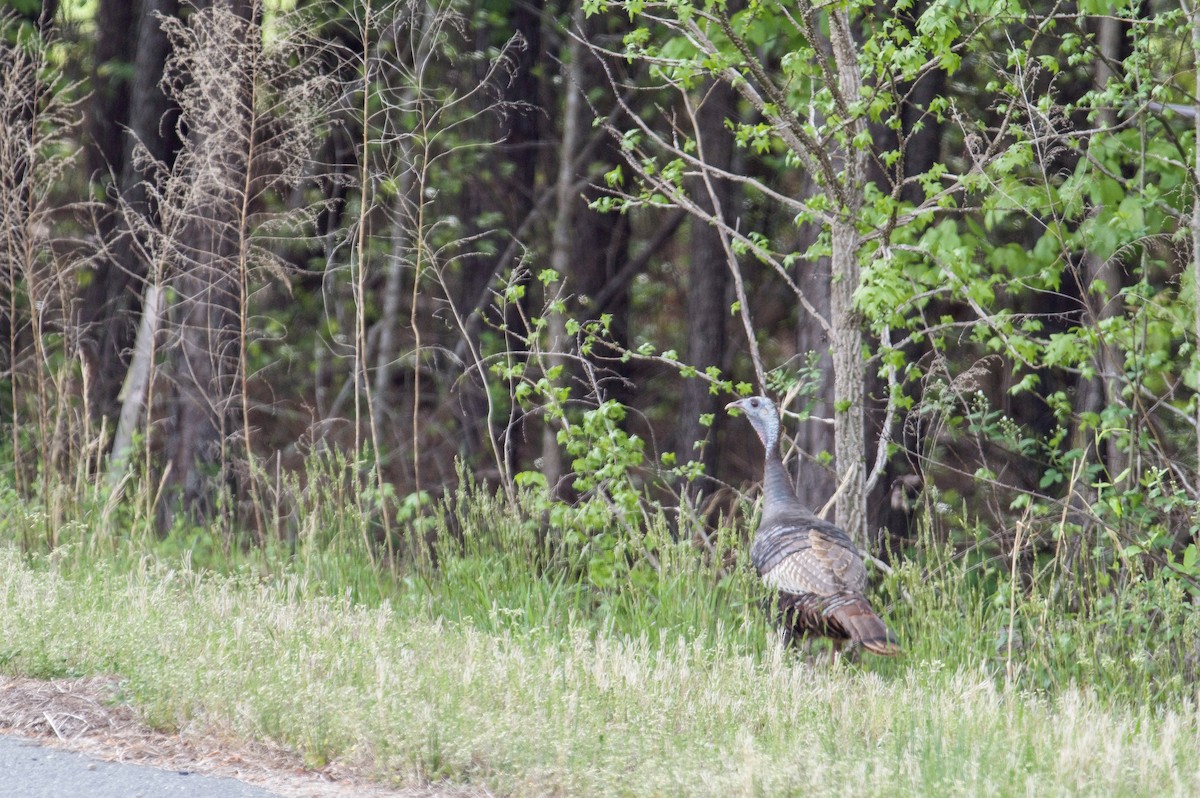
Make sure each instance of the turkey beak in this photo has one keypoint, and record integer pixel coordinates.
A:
(734, 405)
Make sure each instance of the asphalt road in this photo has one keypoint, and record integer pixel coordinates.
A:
(29, 770)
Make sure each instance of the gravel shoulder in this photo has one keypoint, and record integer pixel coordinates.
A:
(43, 720)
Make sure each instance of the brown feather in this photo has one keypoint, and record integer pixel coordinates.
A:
(845, 617)
(862, 625)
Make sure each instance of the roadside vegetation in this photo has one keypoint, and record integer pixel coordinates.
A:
(362, 368)
(502, 665)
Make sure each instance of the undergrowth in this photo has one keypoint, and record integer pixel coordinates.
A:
(485, 651)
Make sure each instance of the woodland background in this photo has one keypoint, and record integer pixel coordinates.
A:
(387, 252)
(364, 368)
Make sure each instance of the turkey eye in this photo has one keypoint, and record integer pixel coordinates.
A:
(754, 403)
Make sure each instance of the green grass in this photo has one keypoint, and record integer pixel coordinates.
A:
(565, 710)
(498, 662)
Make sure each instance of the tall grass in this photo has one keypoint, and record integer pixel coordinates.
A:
(485, 654)
(566, 710)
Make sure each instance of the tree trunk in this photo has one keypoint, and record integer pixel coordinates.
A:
(601, 266)
(111, 297)
(521, 144)
(816, 484)
(108, 109)
(204, 374)
(919, 139)
(560, 243)
(206, 360)
(137, 381)
(1104, 390)
(407, 228)
(708, 280)
(521, 137)
(849, 366)
(849, 377)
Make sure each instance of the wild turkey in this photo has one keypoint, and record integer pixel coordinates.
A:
(814, 565)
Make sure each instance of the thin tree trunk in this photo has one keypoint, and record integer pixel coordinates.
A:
(393, 290)
(560, 242)
(920, 140)
(601, 263)
(816, 484)
(522, 141)
(849, 366)
(708, 280)
(849, 377)
(137, 380)
(1104, 390)
(403, 222)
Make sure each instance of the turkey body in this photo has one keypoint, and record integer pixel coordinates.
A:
(812, 564)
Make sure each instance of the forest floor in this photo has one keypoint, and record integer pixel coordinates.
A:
(86, 715)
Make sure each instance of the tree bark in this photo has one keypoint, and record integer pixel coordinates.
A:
(137, 381)
(407, 221)
(708, 281)
(849, 378)
(108, 108)
(849, 365)
(521, 144)
(919, 140)
(1104, 390)
(601, 265)
(560, 242)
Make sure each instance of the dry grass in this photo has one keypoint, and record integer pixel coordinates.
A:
(417, 701)
(88, 715)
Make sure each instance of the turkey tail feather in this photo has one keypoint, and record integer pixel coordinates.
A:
(862, 625)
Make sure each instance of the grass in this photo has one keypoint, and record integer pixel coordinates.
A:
(567, 711)
(504, 666)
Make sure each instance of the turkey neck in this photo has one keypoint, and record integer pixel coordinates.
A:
(777, 486)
